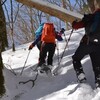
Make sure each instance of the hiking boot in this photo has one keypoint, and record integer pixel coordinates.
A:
(39, 68)
(81, 78)
(44, 69)
(42, 66)
(41, 63)
(50, 66)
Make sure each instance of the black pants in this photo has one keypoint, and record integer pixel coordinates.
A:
(47, 48)
(39, 45)
(94, 51)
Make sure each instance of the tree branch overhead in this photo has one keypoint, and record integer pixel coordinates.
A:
(52, 9)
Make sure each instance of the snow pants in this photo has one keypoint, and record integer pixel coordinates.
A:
(87, 49)
(47, 49)
(39, 45)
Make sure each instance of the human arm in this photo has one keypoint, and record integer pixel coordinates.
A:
(77, 25)
(59, 34)
(35, 42)
(82, 23)
(39, 30)
(58, 37)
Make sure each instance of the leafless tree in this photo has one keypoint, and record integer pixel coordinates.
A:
(3, 44)
(11, 19)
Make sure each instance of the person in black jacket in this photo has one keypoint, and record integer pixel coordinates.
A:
(90, 44)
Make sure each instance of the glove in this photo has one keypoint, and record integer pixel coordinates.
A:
(73, 24)
(30, 47)
(62, 30)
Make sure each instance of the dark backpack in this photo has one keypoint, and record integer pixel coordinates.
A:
(95, 29)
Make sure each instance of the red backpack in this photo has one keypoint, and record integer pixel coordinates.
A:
(48, 33)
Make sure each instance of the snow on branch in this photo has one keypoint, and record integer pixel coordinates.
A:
(52, 9)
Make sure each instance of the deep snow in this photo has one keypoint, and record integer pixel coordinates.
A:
(62, 87)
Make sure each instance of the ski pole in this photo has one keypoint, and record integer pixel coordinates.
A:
(25, 62)
(58, 52)
(63, 53)
(66, 46)
(65, 38)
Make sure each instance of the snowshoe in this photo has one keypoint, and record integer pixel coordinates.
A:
(44, 70)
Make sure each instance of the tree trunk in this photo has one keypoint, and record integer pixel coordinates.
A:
(64, 6)
(12, 26)
(97, 3)
(3, 43)
(3, 33)
(93, 4)
(2, 87)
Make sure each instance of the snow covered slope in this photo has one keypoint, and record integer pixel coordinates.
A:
(62, 87)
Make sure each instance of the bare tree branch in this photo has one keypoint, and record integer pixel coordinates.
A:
(3, 2)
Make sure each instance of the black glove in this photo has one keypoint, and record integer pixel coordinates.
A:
(30, 47)
(62, 30)
(74, 23)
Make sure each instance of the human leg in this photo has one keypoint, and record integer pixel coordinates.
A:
(81, 51)
(43, 53)
(95, 59)
(51, 51)
(39, 45)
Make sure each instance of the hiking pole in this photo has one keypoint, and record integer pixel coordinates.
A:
(55, 72)
(66, 45)
(25, 62)
(65, 38)
(58, 52)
